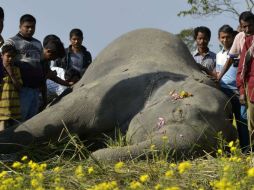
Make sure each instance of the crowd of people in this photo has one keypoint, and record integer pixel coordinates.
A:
(233, 69)
(26, 68)
(28, 79)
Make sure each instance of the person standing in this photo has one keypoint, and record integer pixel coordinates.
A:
(9, 97)
(205, 58)
(245, 80)
(28, 60)
(227, 83)
(77, 56)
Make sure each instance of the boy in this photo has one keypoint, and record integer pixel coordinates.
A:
(28, 60)
(226, 36)
(203, 56)
(53, 49)
(77, 57)
(9, 100)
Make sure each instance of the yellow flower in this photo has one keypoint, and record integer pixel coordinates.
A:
(158, 187)
(250, 172)
(79, 172)
(24, 158)
(105, 186)
(135, 185)
(172, 165)
(16, 165)
(232, 149)
(152, 147)
(231, 144)
(90, 170)
(35, 183)
(3, 174)
(169, 173)
(226, 168)
(144, 178)
(219, 151)
(119, 166)
(173, 188)
(164, 138)
(56, 169)
(223, 184)
(42, 167)
(184, 166)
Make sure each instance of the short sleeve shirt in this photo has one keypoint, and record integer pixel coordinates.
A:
(208, 61)
(237, 45)
(229, 79)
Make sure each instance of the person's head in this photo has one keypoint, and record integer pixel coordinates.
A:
(27, 25)
(72, 75)
(1, 19)
(246, 21)
(226, 36)
(202, 36)
(8, 53)
(53, 49)
(76, 38)
(49, 38)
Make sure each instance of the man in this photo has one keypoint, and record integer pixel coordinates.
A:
(77, 56)
(205, 58)
(245, 80)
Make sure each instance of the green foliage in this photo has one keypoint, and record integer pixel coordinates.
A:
(215, 7)
(187, 36)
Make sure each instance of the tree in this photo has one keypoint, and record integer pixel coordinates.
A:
(187, 36)
(215, 7)
(206, 8)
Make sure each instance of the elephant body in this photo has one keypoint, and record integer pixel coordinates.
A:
(132, 85)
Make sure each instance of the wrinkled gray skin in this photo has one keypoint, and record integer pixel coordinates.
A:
(127, 87)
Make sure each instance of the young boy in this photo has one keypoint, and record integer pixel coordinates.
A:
(28, 60)
(53, 49)
(226, 36)
(77, 57)
(10, 87)
(205, 58)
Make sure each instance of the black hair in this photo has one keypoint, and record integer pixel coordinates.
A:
(56, 46)
(202, 29)
(1, 13)
(246, 16)
(9, 49)
(49, 38)
(27, 18)
(76, 32)
(226, 29)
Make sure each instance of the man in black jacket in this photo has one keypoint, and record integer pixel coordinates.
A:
(77, 57)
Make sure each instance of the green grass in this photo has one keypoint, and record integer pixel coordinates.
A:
(70, 168)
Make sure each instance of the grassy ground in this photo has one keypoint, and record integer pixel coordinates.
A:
(70, 169)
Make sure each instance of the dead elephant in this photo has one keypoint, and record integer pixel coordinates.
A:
(145, 83)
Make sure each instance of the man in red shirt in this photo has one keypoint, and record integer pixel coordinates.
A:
(245, 80)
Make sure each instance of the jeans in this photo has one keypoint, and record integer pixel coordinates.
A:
(240, 112)
(29, 102)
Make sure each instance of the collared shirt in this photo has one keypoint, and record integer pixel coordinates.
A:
(229, 78)
(208, 61)
(249, 76)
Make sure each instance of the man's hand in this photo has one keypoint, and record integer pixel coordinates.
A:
(242, 99)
